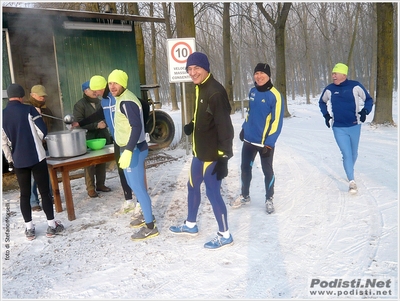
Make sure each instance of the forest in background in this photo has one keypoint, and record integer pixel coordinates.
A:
(316, 36)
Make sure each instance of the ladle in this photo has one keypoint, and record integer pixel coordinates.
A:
(68, 119)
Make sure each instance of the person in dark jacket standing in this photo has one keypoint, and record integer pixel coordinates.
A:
(260, 130)
(22, 140)
(95, 175)
(212, 136)
(98, 84)
(345, 104)
(37, 98)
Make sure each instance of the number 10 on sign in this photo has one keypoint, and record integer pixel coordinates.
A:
(178, 52)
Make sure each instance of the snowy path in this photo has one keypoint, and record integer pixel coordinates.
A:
(318, 229)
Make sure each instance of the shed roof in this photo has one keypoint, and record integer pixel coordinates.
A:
(79, 14)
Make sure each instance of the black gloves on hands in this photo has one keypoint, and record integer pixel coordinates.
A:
(363, 115)
(188, 128)
(266, 151)
(10, 166)
(241, 135)
(221, 168)
(327, 118)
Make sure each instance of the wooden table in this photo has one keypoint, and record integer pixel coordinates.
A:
(65, 165)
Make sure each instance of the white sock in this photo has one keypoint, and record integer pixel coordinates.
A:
(225, 234)
(129, 202)
(190, 224)
(51, 223)
(29, 225)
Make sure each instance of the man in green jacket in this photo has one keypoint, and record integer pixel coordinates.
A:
(86, 106)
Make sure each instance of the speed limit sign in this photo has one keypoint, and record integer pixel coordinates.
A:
(178, 52)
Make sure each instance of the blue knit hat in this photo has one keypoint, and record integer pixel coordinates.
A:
(85, 86)
(198, 59)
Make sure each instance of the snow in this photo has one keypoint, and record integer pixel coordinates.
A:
(318, 231)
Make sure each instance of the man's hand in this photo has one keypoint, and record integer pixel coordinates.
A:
(363, 115)
(125, 159)
(221, 168)
(188, 128)
(241, 135)
(327, 119)
(101, 125)
(266, 151)
(74, 124)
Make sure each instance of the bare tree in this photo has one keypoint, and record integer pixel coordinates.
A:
(133, 8)
(226, 36)
(278, 22)
(384, 81)
(172, 86)
(185, 29)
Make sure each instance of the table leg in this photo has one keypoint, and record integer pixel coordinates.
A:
(68, 194)
(56, 189)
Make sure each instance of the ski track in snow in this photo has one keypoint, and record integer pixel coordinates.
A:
(318, 228)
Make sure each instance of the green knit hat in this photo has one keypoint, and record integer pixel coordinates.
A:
(340, 68)
(119, 77)
(97, 82)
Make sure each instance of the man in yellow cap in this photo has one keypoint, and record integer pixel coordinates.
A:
(345, 104)
(98, 84)
(130, 137)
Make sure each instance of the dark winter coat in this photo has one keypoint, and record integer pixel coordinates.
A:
(213, 130)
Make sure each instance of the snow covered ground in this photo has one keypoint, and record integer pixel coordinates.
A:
(318, 233)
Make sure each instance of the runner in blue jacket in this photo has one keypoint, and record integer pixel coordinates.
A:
(260, 130)
(345, 104)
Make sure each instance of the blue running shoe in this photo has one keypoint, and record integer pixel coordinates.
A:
(218, 242)
(183, 229)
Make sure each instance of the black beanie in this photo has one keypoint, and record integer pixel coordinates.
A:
(15, 90)
(263, 68)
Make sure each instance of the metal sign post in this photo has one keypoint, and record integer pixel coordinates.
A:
(178, 52)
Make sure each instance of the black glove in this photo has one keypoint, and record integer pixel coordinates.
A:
(221, 168)
(10, 166)
(327, 118)
(363, 115)
(241, 135)
(266, 151)
(188, 128)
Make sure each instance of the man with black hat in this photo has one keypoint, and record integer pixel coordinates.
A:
(260, 130)
(24, 129)
(212, 134)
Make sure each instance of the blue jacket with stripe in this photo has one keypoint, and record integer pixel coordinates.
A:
(263, 123)
(344, 101)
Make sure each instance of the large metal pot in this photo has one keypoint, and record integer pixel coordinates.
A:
(66, 143)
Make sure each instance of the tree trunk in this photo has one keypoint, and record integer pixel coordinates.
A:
(157, 101)
(372, 78)
(384, 81)
(172, 86)
(227, 54)
(279, 26)
(134, 9)
(185, 29)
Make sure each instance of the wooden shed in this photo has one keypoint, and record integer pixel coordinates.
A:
(61, 49)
